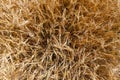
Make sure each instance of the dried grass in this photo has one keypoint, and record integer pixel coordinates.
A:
(59, 39)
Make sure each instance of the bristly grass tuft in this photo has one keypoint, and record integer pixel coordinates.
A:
(59, 39)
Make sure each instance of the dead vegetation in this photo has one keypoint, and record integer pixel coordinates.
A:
(59, 40)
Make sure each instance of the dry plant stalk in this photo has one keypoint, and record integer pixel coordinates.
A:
(59, 39)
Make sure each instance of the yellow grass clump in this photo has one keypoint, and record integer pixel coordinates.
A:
(59, 40)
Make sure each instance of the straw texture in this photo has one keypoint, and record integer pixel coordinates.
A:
(59, 39)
